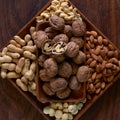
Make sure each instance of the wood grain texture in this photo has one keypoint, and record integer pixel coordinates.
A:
(105, 14)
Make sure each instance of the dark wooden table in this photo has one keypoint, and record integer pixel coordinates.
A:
(105, 14)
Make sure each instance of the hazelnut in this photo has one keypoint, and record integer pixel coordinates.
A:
(74, 84)
(41, 59)
(51, 33)
(43, 75)
(65, 70)
(78, 28)
(72, 49)
(78, 40)
(80, 58)
(62, 94)
(83, 74)
(68, 30)
(41, 37)
(47, 89)
(61, 38)
(58, 84)
(51, 67)
(56, 22)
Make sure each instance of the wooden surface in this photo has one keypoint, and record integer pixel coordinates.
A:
(105, 14)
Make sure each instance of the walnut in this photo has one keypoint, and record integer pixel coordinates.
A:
(62, 94)
(44, 76)
(51, 67)
(79, 28)
(47, 47)
(68, 30)
(80, 58)
(41, 37)
(78, 40)
(59, 48)
(56, 22)
(58, 58)
(83, 74)
(72, 49)
(74, 84)
(74, 68)
(47, 89)
(61, 38)
(65, 70)
(41, 59)
(58, 84)
(51, 33)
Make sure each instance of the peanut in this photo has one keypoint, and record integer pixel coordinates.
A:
(5, 59)
(29, 48)
(13, 42)
(3, 73)
(13, 55)
(19, 40)
(27, 38)
(21, 85)
(13, 48)
(20, 65)
(4, 51)
(29, 75)
(24, 80)
(26, 66)
(8, 66)
(29, 55)
(13, 75)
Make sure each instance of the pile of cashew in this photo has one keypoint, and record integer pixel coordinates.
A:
(17, 61)
(61, 8)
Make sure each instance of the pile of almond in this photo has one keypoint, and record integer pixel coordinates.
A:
(103, 59)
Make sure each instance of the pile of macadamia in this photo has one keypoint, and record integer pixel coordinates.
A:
(61, 56)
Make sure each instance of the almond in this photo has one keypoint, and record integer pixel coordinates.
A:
(89, 61)
(102, 85)
(98, 91)
(110, 46)
(100, 40)
(93, 63)
(94, 75)
(98, 85)
(94, 33)
(91, 38)
(109, 65)
(105, 42)
(110, 54)
(95, 57)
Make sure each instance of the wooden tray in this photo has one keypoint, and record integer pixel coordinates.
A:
(39, 106)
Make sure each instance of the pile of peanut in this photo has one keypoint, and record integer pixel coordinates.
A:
(17, 61)
(103, 59)
(61, 8)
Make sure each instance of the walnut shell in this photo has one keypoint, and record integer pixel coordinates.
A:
(58, 58)
(68, 30)
(56, 22)
(78, 28)
(62, 94)
(72, 49)
(58, 84)
(78, 40)
(51, 67)
(83, 74)
(47, 89)
(80, 58)
(61, 38)
(51, 33)
(74, 68)
(44, 76)
(74, 84)
(65, 70)
(42, 59)
(41, 37)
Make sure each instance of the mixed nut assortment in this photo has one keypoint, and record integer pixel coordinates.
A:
(60, 38)
(61, 48)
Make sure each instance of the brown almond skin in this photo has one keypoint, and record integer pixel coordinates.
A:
(58, 84)
(93, 63)
(100, 40)
(83, 74)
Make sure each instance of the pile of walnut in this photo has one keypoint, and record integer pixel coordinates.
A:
(61, 58)
(17, 61)
(103, 59)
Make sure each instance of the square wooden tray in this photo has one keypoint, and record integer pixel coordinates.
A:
(33, 100)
